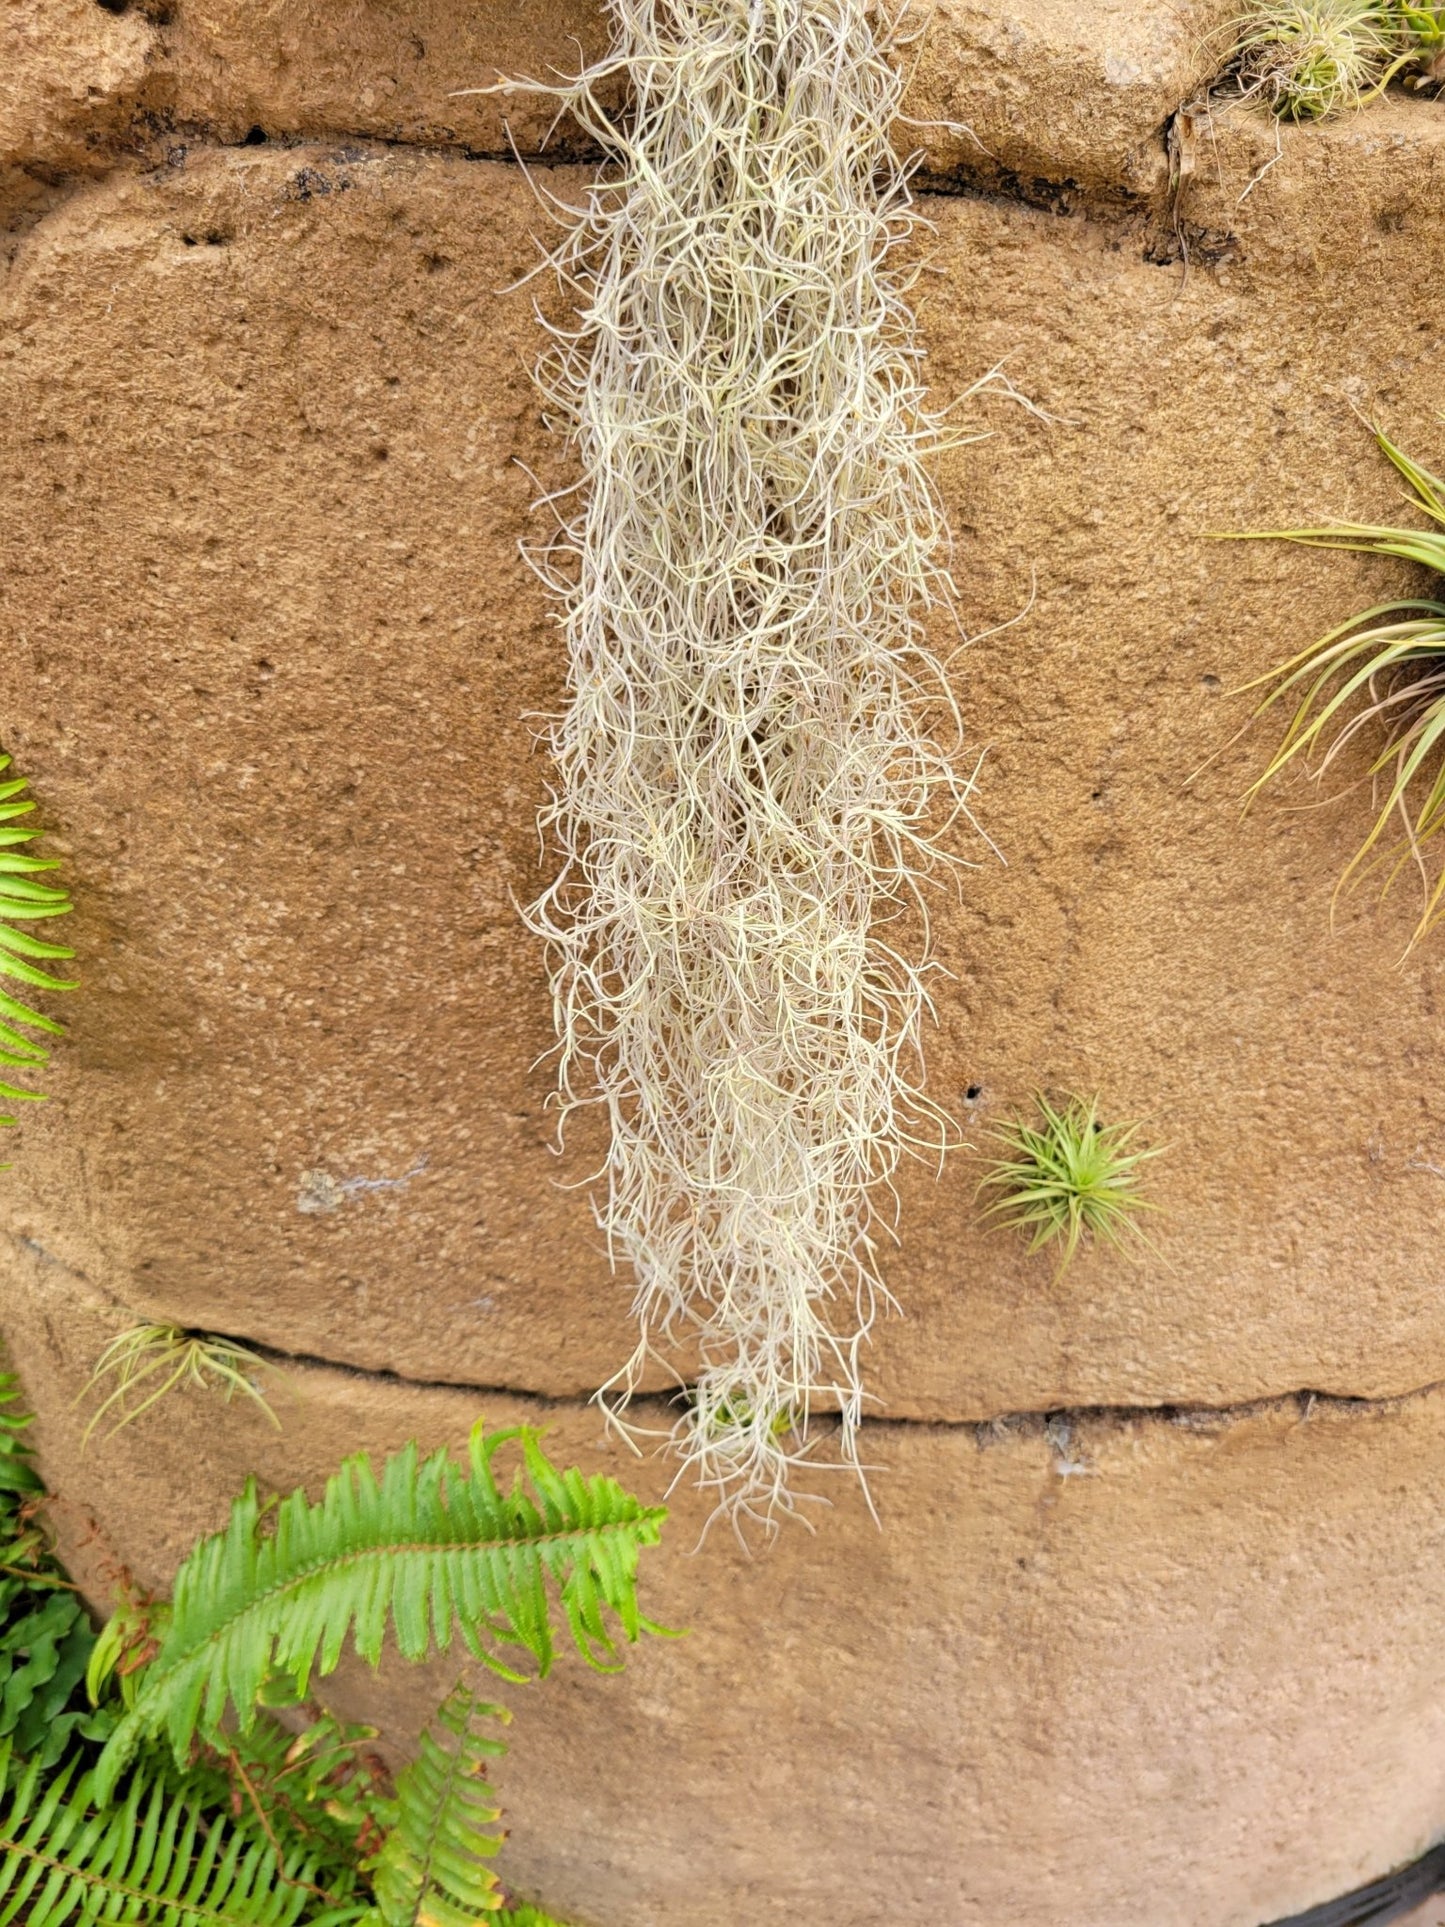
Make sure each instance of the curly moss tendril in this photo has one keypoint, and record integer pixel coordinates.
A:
(750, 782)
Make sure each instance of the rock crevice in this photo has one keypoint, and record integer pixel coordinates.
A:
(1037, 95)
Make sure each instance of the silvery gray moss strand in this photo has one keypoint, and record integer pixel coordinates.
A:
(755, 767)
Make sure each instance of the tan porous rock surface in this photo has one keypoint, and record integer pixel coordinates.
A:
(1058, 1688)
(308, 515)
(1324, 205)
(275, 666)
(1055, 95)
(1047, 91)
(372, 67)
(304, 1102)
(70, 75)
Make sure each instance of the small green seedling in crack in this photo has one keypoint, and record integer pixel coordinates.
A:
(739, 1415)
(1384, 671)
(1068, 1178)
(148, 1361)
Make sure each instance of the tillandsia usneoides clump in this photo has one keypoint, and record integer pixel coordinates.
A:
(754, 771)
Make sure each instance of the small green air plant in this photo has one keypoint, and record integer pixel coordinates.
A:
(25, 901)
(1382, 673)
(183, 1803)
(1309, 59)
(148, 1361)
(740, 1414)
(1069, 1178)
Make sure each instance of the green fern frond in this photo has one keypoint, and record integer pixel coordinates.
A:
(19, 1481)
(433, 1870)
(25, 901)
(433, 1550)
(155, 1856)
(526, 1917)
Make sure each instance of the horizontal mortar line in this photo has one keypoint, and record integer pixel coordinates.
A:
(1061, 196)
(197, 135)
(1167, 1411)
(929, 184)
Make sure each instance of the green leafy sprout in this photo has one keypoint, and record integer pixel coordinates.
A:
(148, 1361)
(45, 1635)
(1380, 674)
(1312, 58)
(1068, 1177)
(1426, 28)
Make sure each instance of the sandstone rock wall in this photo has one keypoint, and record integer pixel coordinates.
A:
(274, 659)
(1115, 1669)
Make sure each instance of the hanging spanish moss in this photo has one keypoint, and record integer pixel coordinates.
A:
(753, 771)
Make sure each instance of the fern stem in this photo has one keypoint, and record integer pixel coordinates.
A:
(238, 1770)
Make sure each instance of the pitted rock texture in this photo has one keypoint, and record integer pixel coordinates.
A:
(380, 70)
(1104, 1673)
(71, 74)
(1327, 205)
(1051, 94)
(276, 669)
(1047, 94)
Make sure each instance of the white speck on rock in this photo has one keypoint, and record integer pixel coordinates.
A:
(320, 1193)
(1122, 72)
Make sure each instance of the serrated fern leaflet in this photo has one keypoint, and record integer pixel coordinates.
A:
(432, 1552)
(153, 1857)
(24, 901)
(434, 1870)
